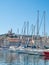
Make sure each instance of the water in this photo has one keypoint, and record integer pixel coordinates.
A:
(10, 58)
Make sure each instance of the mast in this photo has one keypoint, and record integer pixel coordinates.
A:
(17, 30)
(24, 28)
(27, 27)
(32, 29)
(44, 24)
(37, 22)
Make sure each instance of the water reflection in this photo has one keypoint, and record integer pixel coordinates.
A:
(10, 58)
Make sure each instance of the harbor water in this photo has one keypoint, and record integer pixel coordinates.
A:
(13, 58)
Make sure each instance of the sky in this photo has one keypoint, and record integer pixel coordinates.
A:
(13, 14)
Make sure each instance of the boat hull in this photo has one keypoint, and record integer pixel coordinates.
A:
(46, 53)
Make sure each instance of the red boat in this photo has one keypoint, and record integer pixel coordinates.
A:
(46, 52)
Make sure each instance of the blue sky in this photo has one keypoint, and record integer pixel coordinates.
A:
(13, 13)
